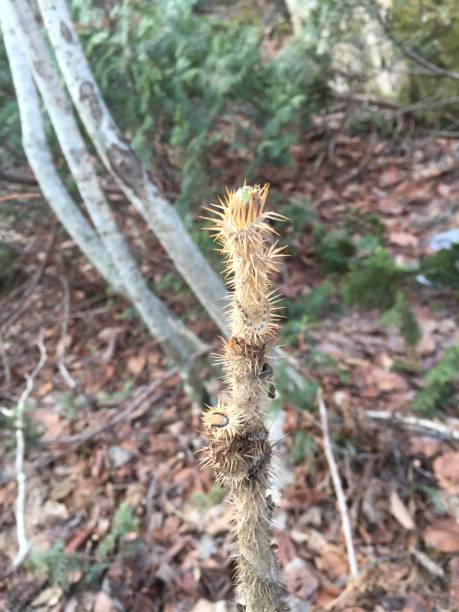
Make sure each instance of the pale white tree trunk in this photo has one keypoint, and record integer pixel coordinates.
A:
(40, 160)
(152, 310)
(128, 170)
(123, 162)
(39, 156)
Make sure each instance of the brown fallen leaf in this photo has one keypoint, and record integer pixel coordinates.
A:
(136, 364)
(400, 511)
(49, 422)
(391, 204)
(424, 445)
(427, 345)
(79, 538)
(332, 561)
(403, 239)
(300, 579)
(61, 489)
(48, 597)
(44, 388)
(443, 535)
(390, 177)
(446, 469)
(104, 603)
(378, 379)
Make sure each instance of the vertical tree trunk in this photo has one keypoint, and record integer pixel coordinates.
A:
(152, 310)
(124, 164)
(40, 159)
(126, 167)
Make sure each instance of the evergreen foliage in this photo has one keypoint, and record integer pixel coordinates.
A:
(334, 249)
(442, 268)
(439, 383)
(403, 317)
(58, 564)
(197, 82)
(373, 283)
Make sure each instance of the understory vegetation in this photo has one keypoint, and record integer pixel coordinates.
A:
(213, 95)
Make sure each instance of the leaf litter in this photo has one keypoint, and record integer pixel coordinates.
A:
(175, 548)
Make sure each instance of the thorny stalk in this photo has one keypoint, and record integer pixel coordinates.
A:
(239, 447)
(23, 542)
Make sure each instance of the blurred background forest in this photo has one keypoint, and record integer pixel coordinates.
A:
(350, 110)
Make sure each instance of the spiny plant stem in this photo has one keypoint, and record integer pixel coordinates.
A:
(239, 448)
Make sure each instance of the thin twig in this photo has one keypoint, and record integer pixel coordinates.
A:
(5, 362)
(16, 178)
(12, 197)
(62, 344)
(119, 417)
(23, 542)
(414, 56)
(341, 498)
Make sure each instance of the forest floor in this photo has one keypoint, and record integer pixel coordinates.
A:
(128, 518)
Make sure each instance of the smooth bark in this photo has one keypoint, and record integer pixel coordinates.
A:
(125, 165)
(153, 312)
(39, 156)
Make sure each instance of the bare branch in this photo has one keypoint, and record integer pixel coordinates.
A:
(341, 498)
(418, 425)
(411, 54)
(23, 542)
(53, 188)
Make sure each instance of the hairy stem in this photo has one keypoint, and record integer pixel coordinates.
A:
(239, 449)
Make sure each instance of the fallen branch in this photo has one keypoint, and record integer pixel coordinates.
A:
(16, 178)
(12, 197)
(341, 498)
(23, 542)
(416, 424)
